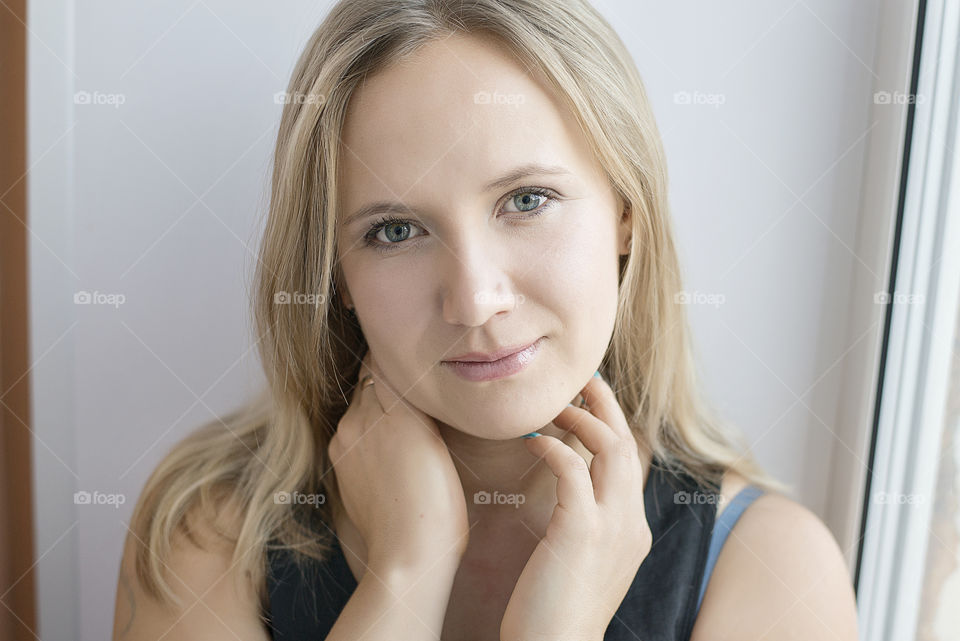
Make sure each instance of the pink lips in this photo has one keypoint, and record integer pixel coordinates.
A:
(477, 371)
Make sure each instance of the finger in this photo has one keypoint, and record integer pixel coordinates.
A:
(363, 394)
(388, 397)
(615, 471)
(615, 460)
(603, 404)
(592, 432)
(574, 486)
(389, 401)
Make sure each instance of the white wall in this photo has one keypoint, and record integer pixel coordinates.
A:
(158, 199)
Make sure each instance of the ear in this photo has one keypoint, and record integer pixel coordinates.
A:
(625, 229)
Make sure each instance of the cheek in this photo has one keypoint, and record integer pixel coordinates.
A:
(577, 270)
(576, 281)
(395, 320)
(392, 292)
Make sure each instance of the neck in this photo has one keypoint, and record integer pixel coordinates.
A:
(525, 486)
(504, 466)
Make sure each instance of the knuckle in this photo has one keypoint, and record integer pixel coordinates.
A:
(601, 388)
(576, 462)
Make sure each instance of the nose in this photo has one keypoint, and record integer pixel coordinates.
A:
(476, 283)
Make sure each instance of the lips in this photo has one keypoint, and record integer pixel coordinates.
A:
(487, 357)
(501, 368)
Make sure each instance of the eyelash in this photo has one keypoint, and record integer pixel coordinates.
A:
(369, 238)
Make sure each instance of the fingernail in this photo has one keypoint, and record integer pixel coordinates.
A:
(597, 374)
(530, 435)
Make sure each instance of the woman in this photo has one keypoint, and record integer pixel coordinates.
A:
(468, 221)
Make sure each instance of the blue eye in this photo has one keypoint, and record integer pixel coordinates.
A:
(526, 196)
(392, 226)
(397, 230)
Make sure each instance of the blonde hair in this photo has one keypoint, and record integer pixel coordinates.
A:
(311, 354)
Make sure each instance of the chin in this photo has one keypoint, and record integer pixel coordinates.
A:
(502, 416)
(493, 429)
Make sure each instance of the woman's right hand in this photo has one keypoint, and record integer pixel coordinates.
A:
(396, 478)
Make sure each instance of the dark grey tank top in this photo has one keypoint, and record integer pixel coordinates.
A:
(660, 605)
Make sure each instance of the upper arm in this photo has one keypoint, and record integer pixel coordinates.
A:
(780, 575)
(216, 602)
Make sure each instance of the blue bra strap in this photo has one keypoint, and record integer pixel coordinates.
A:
(721, 529)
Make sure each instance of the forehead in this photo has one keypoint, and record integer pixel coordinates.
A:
(454, 114)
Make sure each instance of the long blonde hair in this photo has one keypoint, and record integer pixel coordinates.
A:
(311, 353)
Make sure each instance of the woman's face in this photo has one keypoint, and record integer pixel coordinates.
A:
(477, 263)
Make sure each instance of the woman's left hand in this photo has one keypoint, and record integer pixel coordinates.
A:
(598, 535)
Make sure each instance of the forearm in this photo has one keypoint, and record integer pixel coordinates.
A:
(396, 604)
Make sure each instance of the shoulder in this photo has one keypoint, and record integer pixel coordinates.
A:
(779, 575)
(216, 601)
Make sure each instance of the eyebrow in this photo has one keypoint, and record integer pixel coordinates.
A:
(510, 177)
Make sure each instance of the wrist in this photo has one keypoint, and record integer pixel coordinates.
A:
(405, 566)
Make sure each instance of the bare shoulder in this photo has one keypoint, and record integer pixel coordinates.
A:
(730, 486)
(779, 575)
(217, 603)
